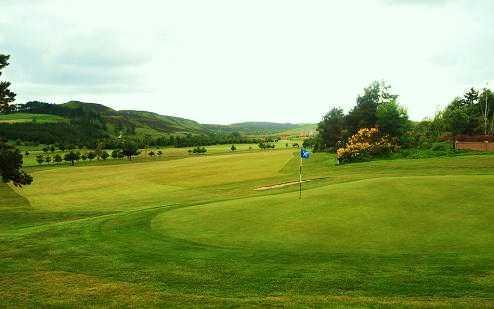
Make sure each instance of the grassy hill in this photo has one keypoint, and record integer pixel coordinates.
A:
(193, 231)
(162, 124)
(53, 120)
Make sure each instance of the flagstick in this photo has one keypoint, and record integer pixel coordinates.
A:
(300, 178)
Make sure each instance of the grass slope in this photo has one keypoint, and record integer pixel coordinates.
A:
(26, 117)
(194, 231)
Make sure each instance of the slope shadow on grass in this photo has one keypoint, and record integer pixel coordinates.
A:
(16, 212)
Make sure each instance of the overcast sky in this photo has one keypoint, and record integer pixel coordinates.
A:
(230, 61)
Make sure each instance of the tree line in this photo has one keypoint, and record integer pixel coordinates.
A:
(377, 110)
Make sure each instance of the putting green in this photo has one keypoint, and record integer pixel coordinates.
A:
(384, 215)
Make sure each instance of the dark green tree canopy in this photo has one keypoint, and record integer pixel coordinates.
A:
(472, 114)
(129, 149)
(364, 114)
(6, 95)
(72, 156)
(10, 157)
(331, 129)
(11, 164)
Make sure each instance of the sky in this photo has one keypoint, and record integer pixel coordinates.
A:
(227, 61)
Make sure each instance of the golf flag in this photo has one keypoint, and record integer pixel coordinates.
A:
(304, 154)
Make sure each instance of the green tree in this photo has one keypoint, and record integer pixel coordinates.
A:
(115, 154)
(6, 95)
(91, 155)
(72, 157)
(331, 130)
(151, 154)
(147, 141)
(40, 159)
(458, 117)
(10, 157)
(98, 152)
(104, 155)
(233, 148)
(48, 159)
(486, 103)
(199, 150)
(364, 114)
(129, 149)
(11, 166)
(57, 159)
(392, 119)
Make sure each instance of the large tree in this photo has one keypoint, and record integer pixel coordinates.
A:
(391, 119)
(331, 130)
(6, 95)
(129, 149)
(10, 157)
(11, 164)
(464, 114)
(486, 103)
(364, 114)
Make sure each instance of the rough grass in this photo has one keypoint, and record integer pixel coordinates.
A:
(194, 231)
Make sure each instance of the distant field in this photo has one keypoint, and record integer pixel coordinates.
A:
(30, 160)
(25, 117)
(193, 231)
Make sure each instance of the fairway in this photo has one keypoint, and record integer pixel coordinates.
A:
(195, 231)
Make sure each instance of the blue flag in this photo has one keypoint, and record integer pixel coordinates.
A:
(304, 154)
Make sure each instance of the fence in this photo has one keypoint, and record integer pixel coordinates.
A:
(477, 143)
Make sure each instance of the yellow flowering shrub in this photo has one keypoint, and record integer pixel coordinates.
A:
(365, 145)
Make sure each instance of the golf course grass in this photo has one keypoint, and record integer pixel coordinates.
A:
(194, 231)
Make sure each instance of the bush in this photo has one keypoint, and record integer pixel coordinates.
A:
(105, 155)
(266, 145)
(199, 149)
(365, 145)
(442, 146)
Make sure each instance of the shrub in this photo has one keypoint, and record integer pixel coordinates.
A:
(365, 145)
(40, 159)
(442, 146)
(104, 155)
(266, 145)
(199, 149)
(58, 158)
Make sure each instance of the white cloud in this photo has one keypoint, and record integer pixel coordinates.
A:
(229, 61)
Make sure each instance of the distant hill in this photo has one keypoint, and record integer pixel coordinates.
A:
(80, 121)
(263, 128)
